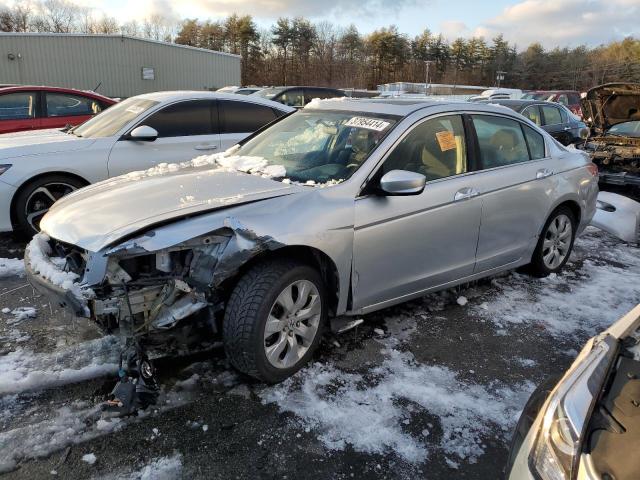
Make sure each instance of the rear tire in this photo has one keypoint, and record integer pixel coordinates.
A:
(265, 336)
(555, 243)
(36, 197)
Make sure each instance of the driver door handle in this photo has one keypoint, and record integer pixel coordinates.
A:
(465, 193)
(544, 173)
(206, 147)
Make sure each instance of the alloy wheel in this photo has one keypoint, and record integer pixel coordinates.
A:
(557, 241)
(41, 199)
(292, 324)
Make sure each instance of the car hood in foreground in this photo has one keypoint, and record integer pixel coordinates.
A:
(40, 142)
(612, 103)
(101, 214)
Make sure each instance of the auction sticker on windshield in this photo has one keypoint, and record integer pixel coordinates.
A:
(368, 123)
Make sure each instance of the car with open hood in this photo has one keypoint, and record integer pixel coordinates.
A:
(613, 113)
(340, 209)
(586, 425)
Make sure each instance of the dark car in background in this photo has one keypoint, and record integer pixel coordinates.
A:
(568, 98)
(556, 119)
(31, 108)
(298, 97)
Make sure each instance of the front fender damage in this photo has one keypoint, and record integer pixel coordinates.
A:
(162, 302)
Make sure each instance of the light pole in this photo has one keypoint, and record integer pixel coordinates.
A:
(427, 63)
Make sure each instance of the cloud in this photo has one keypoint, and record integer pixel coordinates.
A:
(564, 22)
(453, 29)
(292, 8)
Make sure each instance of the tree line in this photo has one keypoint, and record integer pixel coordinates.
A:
(298, 51)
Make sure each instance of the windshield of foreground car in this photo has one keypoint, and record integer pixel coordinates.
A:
(113, 119)
(626, 129)
(320, 146)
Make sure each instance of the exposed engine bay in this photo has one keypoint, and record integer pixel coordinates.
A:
(612, 112)
(166, 302)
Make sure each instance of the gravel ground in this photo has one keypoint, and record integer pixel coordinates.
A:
(428, 389)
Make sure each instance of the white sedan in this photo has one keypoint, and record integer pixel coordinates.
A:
(37, 168)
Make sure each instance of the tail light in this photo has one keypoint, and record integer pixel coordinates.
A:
(593, 169)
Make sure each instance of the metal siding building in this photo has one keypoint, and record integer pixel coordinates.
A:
(116, 62)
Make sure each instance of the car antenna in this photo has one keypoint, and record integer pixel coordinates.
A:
(97, 87)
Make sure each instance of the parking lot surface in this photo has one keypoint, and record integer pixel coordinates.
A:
(428, 389)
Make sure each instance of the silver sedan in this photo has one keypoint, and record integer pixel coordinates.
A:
(340, 209)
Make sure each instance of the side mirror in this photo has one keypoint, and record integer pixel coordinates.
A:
(143, 133)
(402, 182)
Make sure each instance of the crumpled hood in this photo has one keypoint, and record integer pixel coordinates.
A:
(611, 103)
(40, 142)
(101, 214)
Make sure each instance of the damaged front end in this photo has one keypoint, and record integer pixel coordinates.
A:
(161, 302)
(612, 112)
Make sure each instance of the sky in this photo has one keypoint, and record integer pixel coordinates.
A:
(551, 22)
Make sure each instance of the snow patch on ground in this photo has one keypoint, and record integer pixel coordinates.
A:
(605, 286)
(367, 412)
(163, 468)
(22, 313)
(23, 370)
(11, 267)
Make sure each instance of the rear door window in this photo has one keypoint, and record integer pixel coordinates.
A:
(500, 140)
(533, 114)
(18, 106)
(551, 114)
(243, 117)
(183, 119)
(65, 105)
(436, 148)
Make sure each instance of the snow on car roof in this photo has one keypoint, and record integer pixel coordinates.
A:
(396, 106)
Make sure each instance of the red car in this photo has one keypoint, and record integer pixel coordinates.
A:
(30, 108)
(568, 98)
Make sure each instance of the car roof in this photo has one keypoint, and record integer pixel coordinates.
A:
(45, 88)
(520, 103)
(170, 96)
(399, 107)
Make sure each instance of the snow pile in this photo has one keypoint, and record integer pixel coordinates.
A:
(225, 161)
(39, 251)
(605, 286)
(367, 413)
(23, 370)
(10, 267)
(90, 458)
(318, 102)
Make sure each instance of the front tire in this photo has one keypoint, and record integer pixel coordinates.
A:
(274, 319)
(555, 243)
(36, 197)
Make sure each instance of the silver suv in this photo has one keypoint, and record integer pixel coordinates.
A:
(340, 209)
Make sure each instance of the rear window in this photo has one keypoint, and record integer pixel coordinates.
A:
(244, 117)
(535, 141)
(18, 106)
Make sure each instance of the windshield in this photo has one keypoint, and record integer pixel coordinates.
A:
(626, 129)
(268, 93)
(319, 146)
(113, 119)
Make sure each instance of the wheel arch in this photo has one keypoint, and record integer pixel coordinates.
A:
(26, 183)
(312, 256)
